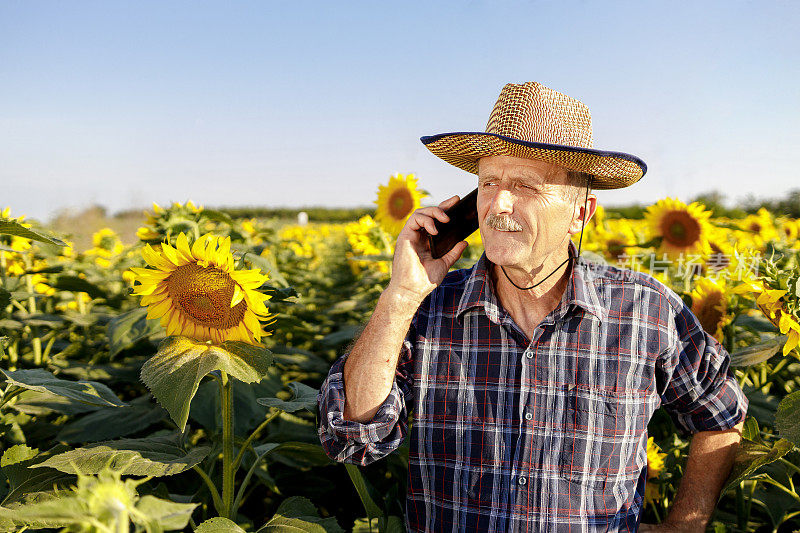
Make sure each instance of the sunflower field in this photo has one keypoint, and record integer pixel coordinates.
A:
(170, 384)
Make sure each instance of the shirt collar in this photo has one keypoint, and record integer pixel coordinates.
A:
(580, 291)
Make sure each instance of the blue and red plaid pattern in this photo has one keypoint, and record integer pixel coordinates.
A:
(541, 434)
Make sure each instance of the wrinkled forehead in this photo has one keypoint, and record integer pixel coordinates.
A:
(511, 167)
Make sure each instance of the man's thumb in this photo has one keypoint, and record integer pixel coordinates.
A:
(452, 256)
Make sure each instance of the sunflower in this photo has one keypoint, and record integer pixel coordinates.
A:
(655, 459)
(721, 253)
(710, 305)
(655, 465)
(396, 201)
(789, 326)
(614, 242)
(106, 245)
(367, 238)
(760, 227)
(790, 230)
(160, 222)
(197, 293)
(597, 222)
(683, 229)
(17, 244)
(770, 301)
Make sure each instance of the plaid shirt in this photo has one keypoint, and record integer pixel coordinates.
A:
(540, 434)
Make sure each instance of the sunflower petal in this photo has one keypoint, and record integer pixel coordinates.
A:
(172, 254)
(182, 244)
(251, 321)
(224, 249)
(155, 259)
(173, 324)
(210, 245)
(149, 273)
(792, 342)
(199, 246)
(245, 334)
(145, 289)
(148, 299)
(158, 310)
(238, 295)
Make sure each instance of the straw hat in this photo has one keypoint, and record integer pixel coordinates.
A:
(535, 122)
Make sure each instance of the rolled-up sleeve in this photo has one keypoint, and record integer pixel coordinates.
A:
(363, 443)
(701, 392)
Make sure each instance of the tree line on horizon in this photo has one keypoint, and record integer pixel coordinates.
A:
(788, 205)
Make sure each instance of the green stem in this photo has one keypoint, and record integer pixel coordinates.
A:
(47, 348)
(8, 394)
(211, 487)
(387, 246)
(749, 510)
(253, 435)
(3, 268)
(790, 464)
(779, 365)
(740, 506)
(655, 512)
(13, 354)
(226, 397)
(247, 477)
(37, 342)
(781, 487)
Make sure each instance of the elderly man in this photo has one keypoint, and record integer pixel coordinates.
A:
(532, 375)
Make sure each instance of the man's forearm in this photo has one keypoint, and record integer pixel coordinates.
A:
(711, 455)
(370, 366)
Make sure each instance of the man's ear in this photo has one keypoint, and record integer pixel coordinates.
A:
(583, 213)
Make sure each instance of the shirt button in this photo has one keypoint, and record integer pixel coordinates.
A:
(522, 480)
(528, 354)
(528, 416)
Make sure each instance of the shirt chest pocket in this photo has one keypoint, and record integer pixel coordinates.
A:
(603, 434)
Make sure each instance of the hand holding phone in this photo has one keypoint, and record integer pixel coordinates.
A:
(463, 223)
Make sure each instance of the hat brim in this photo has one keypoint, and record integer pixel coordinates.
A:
(611, 170)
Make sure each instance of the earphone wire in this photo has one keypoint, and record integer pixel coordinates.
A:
(568, 259)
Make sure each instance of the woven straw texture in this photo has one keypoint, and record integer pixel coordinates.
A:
(532, 121)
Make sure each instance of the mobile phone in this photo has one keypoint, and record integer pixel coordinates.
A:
(463, 223)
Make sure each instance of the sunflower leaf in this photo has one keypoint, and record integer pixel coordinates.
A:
(148, 456)
(218, 525)
(11, 227)
(786, 419)
(161, 514)
(77, 284)
(297, 513)
(25, 483)
(304, 397)
(174, 373)
(752, 355)
(218, 216)
(267, 265)
(365, 490)
(750, 457)
(58, 510)
(40, 380)
(129, 328)
(111, 423)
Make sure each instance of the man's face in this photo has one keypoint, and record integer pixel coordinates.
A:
(524, 211)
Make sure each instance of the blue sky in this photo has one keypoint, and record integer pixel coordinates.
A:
(316, 103)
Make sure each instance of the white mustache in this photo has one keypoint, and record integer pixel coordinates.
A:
(503, 223)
